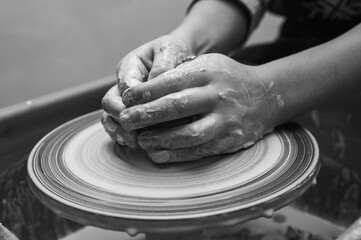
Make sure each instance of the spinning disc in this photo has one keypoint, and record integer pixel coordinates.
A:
(75, 171)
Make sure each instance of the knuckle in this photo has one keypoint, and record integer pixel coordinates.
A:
(173, 79)
(122, 85)
(158, 70)
(178, 100)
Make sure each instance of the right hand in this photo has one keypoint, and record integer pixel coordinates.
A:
(231, 106)
(144, 63)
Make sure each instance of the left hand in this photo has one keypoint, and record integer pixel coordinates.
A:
(232, 105)
(113, 106)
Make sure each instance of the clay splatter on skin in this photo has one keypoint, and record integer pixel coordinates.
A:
(185, 58)
(127, 97)
(143, 116)
(146, 95)
(222, 95)
(177, 51)
(280, 101)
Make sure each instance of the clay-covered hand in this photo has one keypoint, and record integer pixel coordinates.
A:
(140, 65)
(152, 59)
(230, 105)
(113, 106)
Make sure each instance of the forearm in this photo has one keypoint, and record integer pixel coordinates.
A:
(317, 76)
(213, 26)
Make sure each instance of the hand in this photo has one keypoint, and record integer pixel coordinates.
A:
(152, 59)
(144, 63)
(113, 106)
(231, 107)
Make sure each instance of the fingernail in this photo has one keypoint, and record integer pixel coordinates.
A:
(124, 120)
(130, 119)
(110, 125)
(105, 104)
(132, 144)
(248, 144)
(128, 97)
(160, 156)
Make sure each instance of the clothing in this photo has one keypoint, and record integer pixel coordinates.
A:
(323, 18)
(317, 18)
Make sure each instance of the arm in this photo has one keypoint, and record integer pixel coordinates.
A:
(214, 26)
(317, 76)
(220, 26)
(237, 104)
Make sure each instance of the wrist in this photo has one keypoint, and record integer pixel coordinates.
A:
(277, 96)
(214, 27)
(197, 42)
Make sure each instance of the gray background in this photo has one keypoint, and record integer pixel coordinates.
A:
(49, 45)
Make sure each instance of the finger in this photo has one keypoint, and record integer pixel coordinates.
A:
(167, 83)
(166, 57)
(112, 102)
(189, 102)
(117, 133)
(223, 144)
(133, 69)
(109, 125)
(201, 131)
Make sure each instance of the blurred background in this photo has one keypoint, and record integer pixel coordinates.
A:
(49, 45)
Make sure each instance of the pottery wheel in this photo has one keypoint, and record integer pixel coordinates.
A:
(77, 172)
